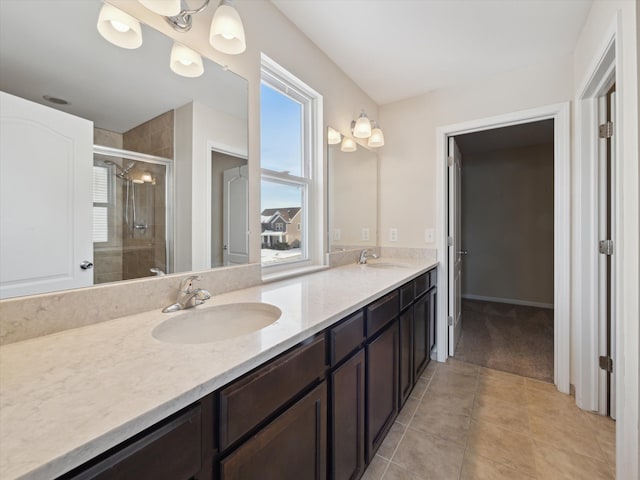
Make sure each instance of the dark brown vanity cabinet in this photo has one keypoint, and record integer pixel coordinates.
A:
(406, 374)
(382, 368)
(421, 349)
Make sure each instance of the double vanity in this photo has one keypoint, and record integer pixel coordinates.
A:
(304, 381)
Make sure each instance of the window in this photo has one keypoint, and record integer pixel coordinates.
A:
(291, 179)
(102, 193)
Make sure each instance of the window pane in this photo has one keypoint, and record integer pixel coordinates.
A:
(281, 213)
(100, 224)
(280, 132)
(100, 184)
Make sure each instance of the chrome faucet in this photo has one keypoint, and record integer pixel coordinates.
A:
(188, 297)
(364, 255)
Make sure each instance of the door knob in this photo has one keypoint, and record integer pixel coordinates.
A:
(86, 265)
(463, 252)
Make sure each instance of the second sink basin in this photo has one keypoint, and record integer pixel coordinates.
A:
(215, 323)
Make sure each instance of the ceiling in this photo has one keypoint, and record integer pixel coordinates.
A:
(395, 49)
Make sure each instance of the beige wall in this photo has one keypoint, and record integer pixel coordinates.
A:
(507, 224)
(407, 161)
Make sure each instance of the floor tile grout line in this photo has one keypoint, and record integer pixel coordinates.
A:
(406, 427)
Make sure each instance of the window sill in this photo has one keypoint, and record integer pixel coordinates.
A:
(294, 272)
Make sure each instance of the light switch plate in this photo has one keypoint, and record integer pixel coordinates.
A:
(393, 234)
(429, 235)
(365, 234)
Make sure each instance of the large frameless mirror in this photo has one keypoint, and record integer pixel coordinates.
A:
(353, 196)
(168, 173)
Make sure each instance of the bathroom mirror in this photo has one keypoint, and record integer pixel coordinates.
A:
(353, 198)
(168, 146)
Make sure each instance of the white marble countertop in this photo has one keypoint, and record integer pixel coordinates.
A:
(67, 397)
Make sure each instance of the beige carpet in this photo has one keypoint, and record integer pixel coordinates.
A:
(511, 338)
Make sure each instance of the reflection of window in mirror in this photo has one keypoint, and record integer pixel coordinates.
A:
(287, 210)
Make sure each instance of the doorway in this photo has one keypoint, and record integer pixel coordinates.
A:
(559, 113)
(506, 236)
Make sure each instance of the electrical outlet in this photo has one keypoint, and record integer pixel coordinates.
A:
(429, 235)
(393, 234)
(336, 235)
(365, 234)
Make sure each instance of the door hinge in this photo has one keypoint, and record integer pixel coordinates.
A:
(606, 363)
(605, 130)
(450, 241)
(450, 161)
(450, 320)
(605, 247)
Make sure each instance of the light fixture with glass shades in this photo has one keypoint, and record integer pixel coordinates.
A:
(333, 136)
(226, 33)
(348, 145)
(365, 128)
(377, 137)
(185, 61)
(119, 27)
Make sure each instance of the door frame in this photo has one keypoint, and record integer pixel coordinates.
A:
(588, 305)
(560, 113)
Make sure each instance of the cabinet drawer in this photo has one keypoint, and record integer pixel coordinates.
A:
(170, 451)
(250, 400)
(382, 312)
(407, 294)
(421, 283)
(346, 337)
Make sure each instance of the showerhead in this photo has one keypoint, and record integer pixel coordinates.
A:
(121, 172)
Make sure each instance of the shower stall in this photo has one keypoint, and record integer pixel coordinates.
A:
(131, 215)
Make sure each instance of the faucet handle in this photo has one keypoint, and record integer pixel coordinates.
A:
(187, 283)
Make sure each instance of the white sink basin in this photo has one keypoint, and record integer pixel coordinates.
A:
(385, 265)
(220, 322)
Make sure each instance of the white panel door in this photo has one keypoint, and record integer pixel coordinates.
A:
(455, 251)
(46, 161)
(235, 216)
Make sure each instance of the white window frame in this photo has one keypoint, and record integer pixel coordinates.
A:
(311, 179)
(110, 205)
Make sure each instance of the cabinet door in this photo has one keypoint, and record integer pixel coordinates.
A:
(346, 443)
(420, 335)
(406, 355)
(293, 446)
(432, 317)
(169, 451)
(381, 387)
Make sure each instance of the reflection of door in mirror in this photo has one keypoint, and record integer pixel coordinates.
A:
(229, 209)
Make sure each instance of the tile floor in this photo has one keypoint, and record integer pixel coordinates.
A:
(467, 422)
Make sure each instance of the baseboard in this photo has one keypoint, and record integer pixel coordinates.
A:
(512, 301)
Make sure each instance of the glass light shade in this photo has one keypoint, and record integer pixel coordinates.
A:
(146, 177)
(348, 145)
(362, 127)
(376, 139)
(227, 32)
(333, 136)
(166, 8)
(119, 28)
(185, 61)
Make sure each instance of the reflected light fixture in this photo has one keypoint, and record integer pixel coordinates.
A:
(119, 27)
(333, 136)
(377, 137)
(361, 127)
(348, 145)
(185, 61)
(226, 33)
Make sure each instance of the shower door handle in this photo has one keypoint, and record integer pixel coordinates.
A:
(86, 265)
